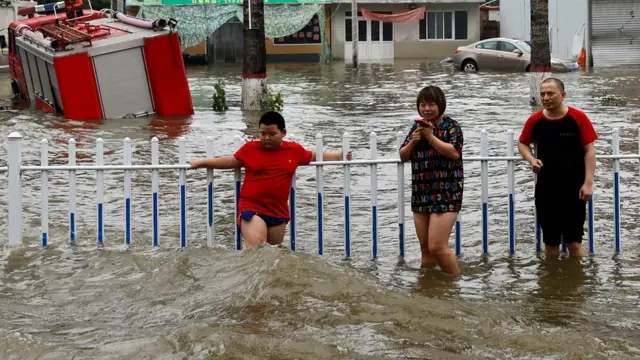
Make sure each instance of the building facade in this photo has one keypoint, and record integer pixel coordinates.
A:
(608, 29)
(446, 25)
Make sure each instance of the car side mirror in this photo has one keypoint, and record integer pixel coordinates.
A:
(517, 51)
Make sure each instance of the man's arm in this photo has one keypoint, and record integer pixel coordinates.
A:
(589, 163)
(222, 162)
(526, 152)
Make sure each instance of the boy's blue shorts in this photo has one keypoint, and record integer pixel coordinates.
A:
(269, 220)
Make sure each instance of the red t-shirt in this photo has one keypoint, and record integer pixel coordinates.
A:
(268, 176)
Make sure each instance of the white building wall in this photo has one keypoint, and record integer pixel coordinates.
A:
(566, 18)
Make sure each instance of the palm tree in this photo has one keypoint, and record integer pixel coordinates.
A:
(540, 53)
(254, 67)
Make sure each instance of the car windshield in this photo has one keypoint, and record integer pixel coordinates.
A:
(523, 45)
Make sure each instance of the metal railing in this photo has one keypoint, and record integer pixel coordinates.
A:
(15, 169)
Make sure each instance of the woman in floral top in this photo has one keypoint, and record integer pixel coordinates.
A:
(434, 146)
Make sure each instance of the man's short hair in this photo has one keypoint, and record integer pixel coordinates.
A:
(556, 81)
(272, 118)
(432, 94)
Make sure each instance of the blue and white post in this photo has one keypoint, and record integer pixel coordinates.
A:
(292, 209)
(347, 196)
(319, 189)
(401, 235)
(237, 144)
(127, 192)
(210, 207)
(72, 192)
(511, 188)
(100, 189)
(44, 211)
(373, 150)
(535, 210)
(484, 178)
(155, 161)
(15, 189)
(616, 187)
(182, 158)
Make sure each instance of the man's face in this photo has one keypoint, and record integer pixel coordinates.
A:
(271, 136)
(551, 96)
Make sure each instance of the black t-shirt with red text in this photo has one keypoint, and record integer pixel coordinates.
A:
(561, 148)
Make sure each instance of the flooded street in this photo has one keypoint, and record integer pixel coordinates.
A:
(83, 302)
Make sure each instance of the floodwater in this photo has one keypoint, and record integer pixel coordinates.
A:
(86, 302)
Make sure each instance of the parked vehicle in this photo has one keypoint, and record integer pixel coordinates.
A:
(503, 54)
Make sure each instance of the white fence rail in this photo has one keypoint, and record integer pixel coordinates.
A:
(15, 169)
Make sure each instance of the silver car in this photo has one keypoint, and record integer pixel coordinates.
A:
(502, 54)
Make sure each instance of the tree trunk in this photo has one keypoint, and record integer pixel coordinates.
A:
(540, 53)
(254, 68)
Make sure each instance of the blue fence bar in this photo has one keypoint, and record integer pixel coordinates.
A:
(616, 187)
(15, 168)
(484, 185)
(373, 149)
(155, 178)
(401, 180)
(347, 198)
(211, 225)
(127, 192)
(319, 189)
(511, 193)
(44, 211)
(100, 189)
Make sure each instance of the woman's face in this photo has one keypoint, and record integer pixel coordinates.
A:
(428, 110)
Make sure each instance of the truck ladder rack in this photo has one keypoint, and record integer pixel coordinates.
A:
(65, 34)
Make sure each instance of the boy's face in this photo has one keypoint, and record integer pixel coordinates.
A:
(271, 136)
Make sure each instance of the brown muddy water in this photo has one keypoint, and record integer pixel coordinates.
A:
(269, 303)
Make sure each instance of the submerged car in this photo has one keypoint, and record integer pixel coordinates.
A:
(503, 54)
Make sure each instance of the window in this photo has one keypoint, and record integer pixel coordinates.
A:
(443, 25)
(376, 26)
(488, 45)
(310, 34)
(506, 46)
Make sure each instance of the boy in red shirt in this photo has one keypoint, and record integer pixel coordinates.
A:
(270, 164)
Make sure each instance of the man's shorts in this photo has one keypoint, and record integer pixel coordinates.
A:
(271, 221)
(561, 221)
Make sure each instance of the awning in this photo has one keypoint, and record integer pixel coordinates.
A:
(413, 15)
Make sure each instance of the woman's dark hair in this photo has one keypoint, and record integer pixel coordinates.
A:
(272, 118)
(432, 94)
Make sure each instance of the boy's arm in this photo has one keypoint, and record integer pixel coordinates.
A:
(331, 156)
(221, 162)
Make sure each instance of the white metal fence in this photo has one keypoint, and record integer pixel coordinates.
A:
(14, 170)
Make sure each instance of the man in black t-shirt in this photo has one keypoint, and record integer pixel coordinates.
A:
(565, 166)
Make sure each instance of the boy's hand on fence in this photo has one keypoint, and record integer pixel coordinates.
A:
(349, 155)
(536, 165)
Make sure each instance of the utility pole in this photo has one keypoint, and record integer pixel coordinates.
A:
(354, 32)
(254, 67)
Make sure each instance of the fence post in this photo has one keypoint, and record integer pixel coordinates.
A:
(182, 158)
(616, 187)
(15, 189)
(511, 190)
(373, 149)
(127, 191)
(237, 174)
(484, 180)
(44, 210)
(400, 141)
(210, 205)
(292, 207)
(319, 189)
(347, 196)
